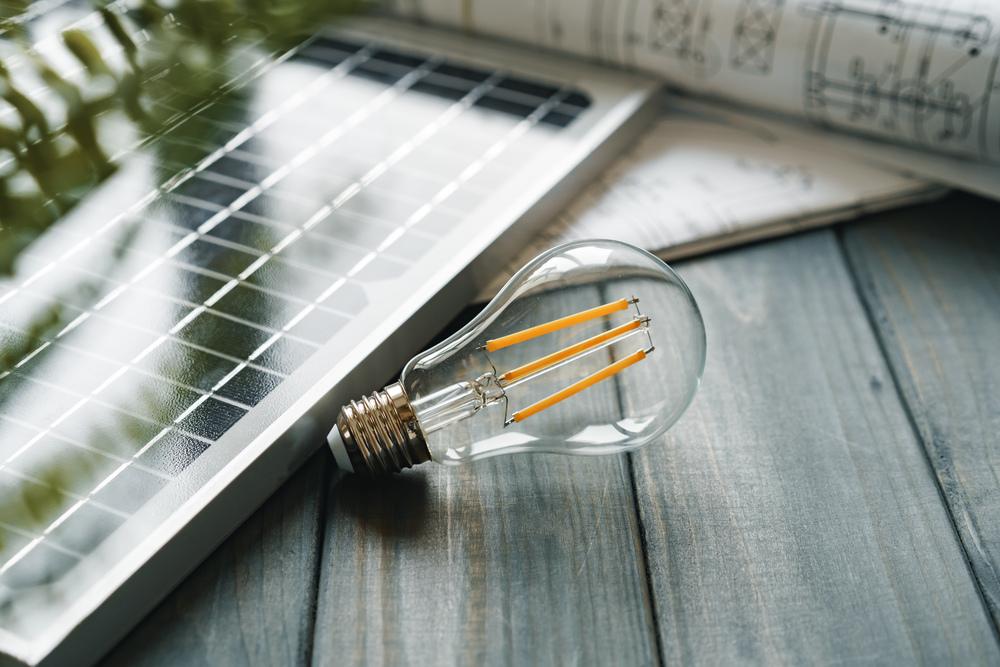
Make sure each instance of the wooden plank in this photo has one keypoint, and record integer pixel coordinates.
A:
(253, 600)
(529, 559)
(930, 277)
(791, 516)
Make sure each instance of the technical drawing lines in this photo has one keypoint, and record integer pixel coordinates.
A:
(754, 35)
(682, 29)
(920, 73)
(671, 25)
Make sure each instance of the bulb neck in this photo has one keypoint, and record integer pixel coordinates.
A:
(379, 434)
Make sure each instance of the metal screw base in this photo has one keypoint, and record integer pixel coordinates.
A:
(380, 432)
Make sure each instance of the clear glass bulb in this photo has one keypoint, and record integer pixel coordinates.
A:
(594, 347)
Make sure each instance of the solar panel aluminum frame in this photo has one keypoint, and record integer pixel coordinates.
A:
(261, 451)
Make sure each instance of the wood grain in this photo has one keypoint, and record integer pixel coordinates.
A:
(794, 515)
(517, 560)
(252, 602)
(791, 516)
(930, 277)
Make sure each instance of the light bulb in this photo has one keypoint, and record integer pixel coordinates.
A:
(594, 347)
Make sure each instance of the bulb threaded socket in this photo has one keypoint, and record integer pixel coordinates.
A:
(380, 432)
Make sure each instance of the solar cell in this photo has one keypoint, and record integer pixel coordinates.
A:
(235, 247)
(208, 345)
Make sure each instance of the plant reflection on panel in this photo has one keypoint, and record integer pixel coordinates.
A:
(171, 61)
(63, 133)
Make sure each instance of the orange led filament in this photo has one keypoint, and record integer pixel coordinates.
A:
(555, 325)
(589, 345)
(579, 386)
(568, 352)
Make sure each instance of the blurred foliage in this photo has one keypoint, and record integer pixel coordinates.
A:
(173, 56)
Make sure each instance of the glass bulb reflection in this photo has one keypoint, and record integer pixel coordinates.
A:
(594, 347)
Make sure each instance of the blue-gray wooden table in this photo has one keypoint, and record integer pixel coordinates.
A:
(832, 496)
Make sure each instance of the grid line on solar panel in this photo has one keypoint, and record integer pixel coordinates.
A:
(302, 185)
(161, 381)
(80, 445)
(267, 62)
(304, 156)
(262, 290)
(89, 352)
(173, 121)
(237, 367)
(121, 290)
(470, 171)
(115, 460)
(77, 498)
(197, 253)
(491, 153)
(116, 411)
(259, 244)
(320, 82)
(251, 168)
(251, 194)
(29, 537)
(323, 80)
(82, 500)
(45, 536)
(394, 234)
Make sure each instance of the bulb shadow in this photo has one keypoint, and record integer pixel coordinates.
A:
(393, 506)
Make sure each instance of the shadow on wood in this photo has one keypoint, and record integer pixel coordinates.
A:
(515, 560)
(394, 506)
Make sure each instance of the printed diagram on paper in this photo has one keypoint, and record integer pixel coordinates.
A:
(704, 178)
(917, 73)
(927, 74)
(753, 43)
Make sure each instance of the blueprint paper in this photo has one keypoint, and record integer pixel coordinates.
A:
(702, 178)
(921, 74)
(982, 178)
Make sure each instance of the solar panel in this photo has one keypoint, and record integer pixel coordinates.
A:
(246, 269)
